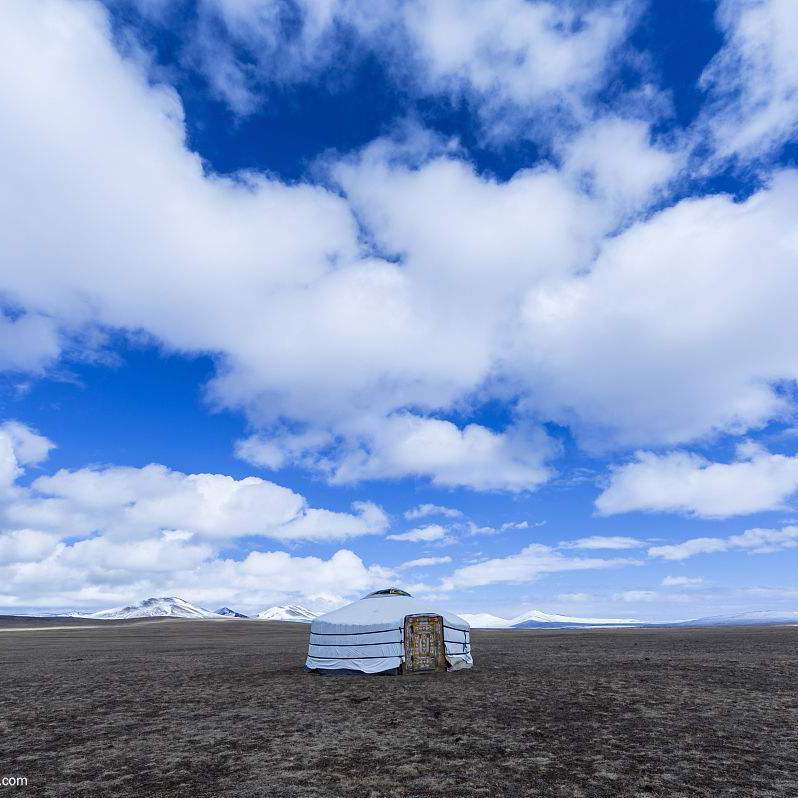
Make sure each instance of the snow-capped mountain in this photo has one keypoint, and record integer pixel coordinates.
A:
(750, 618)
(484, 620)
(228, 613)
(288, 612)
(535, 619)
(163, 607)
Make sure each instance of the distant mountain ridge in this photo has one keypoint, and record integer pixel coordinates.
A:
(288, 612)
(484, 620)
(228, 613)
(163, 607)
(175, 607)
(750, 618)
(537, 619)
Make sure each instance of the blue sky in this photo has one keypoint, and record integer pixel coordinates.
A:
(494, 301)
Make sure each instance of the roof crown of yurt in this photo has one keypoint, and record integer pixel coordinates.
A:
(389, 631)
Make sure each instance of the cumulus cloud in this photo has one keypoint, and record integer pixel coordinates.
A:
(100, 572)
(280, 450)
(135, 502)
(105, 535)
(681, 482)
(754, 77)
(406, 444)
(617, 159)
(427, 510)
(245, 259)
(25, 545)
(511, 56)
(508, 58)
(473, 456)
(755, 541)
(132, 503)
(19, 446)
(238, 261)
(349, 324)
(526, 566)
(603, 542)
(631, 352)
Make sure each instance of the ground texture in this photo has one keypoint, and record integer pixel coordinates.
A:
(207, 709)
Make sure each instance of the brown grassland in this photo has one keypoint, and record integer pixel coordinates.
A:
(208, 709)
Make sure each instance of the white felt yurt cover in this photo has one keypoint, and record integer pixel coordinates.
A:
(368, 635)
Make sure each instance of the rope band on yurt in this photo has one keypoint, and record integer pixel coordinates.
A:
(389, 656)
(348, 634)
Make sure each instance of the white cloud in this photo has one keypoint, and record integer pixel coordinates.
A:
(680, 482)
(473, 456)
(406, 444)
(512, 56)
(279, 450)
(615, 156)
(766, 541)
(99, 572)
(603, 542)
(756, 541)
(25, 545)
(28, 343)
(423, 562)
(672, 335)
(507, 525)
(754, 77)
(427, 510)
(313, 524)
(682, 581)
(475, 529)
(681, 551)
(526, 566)
(19, 446)
(511, 59)
(424, 534)
(636, 596)
(657, 333)
(133, 503)
(152, 530)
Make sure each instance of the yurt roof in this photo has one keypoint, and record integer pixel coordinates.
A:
(381, 610)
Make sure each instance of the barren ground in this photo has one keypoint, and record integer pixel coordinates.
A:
(216, 709)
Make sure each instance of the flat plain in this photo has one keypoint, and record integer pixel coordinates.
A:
(224, 709)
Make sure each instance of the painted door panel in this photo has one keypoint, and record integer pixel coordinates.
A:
(424, 648)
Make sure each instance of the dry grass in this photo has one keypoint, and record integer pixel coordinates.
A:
(212, 709)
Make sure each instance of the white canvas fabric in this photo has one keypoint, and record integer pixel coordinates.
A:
(368, 635)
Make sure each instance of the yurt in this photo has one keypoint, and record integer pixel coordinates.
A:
(389, 631)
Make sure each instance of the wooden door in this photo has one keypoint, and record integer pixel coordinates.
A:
(424, 647)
